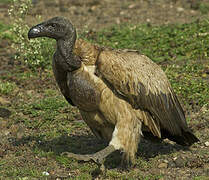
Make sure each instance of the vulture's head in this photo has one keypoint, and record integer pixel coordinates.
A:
(56, 28)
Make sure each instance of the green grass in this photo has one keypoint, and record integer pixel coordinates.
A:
(5, 33)
(6, 87)
(45, 113)
(6, 1)
(160, 43)
(3, 27)
(201, 178)
(189, 82)
(204, 7)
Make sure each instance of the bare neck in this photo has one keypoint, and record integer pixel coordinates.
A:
(65, 49)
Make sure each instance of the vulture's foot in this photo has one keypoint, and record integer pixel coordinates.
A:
(98, 157)
(126, 163)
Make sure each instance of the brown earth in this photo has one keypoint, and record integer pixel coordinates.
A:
(94, 15)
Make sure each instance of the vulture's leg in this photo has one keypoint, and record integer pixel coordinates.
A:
(97, 157)
(126, 136)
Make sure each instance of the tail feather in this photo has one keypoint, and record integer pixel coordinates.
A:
(187, 138)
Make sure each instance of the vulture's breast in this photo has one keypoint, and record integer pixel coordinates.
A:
(85, 88)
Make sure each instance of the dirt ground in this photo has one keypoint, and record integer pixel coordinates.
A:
(97, 14)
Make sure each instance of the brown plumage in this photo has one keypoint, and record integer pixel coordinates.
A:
(116, 91)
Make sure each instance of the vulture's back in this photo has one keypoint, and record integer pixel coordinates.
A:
(121, 67)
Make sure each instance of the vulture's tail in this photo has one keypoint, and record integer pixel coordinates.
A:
(187, 138)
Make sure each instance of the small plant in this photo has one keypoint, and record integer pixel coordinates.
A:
(6, 87)
(35, 53)
(204, 8)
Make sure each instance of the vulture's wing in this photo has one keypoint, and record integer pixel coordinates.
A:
(145, 86)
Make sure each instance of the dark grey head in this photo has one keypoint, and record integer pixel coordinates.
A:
(56, 28)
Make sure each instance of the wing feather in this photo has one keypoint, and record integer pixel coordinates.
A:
(145, 86)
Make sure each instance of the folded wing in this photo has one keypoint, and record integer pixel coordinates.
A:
(145, 86)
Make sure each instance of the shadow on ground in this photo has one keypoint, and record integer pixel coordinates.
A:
(88, 144)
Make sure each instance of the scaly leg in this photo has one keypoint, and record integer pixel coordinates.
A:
(97, 157)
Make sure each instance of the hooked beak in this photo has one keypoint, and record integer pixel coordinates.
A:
(36, 31)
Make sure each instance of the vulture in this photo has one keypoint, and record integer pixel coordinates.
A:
(118, 92)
